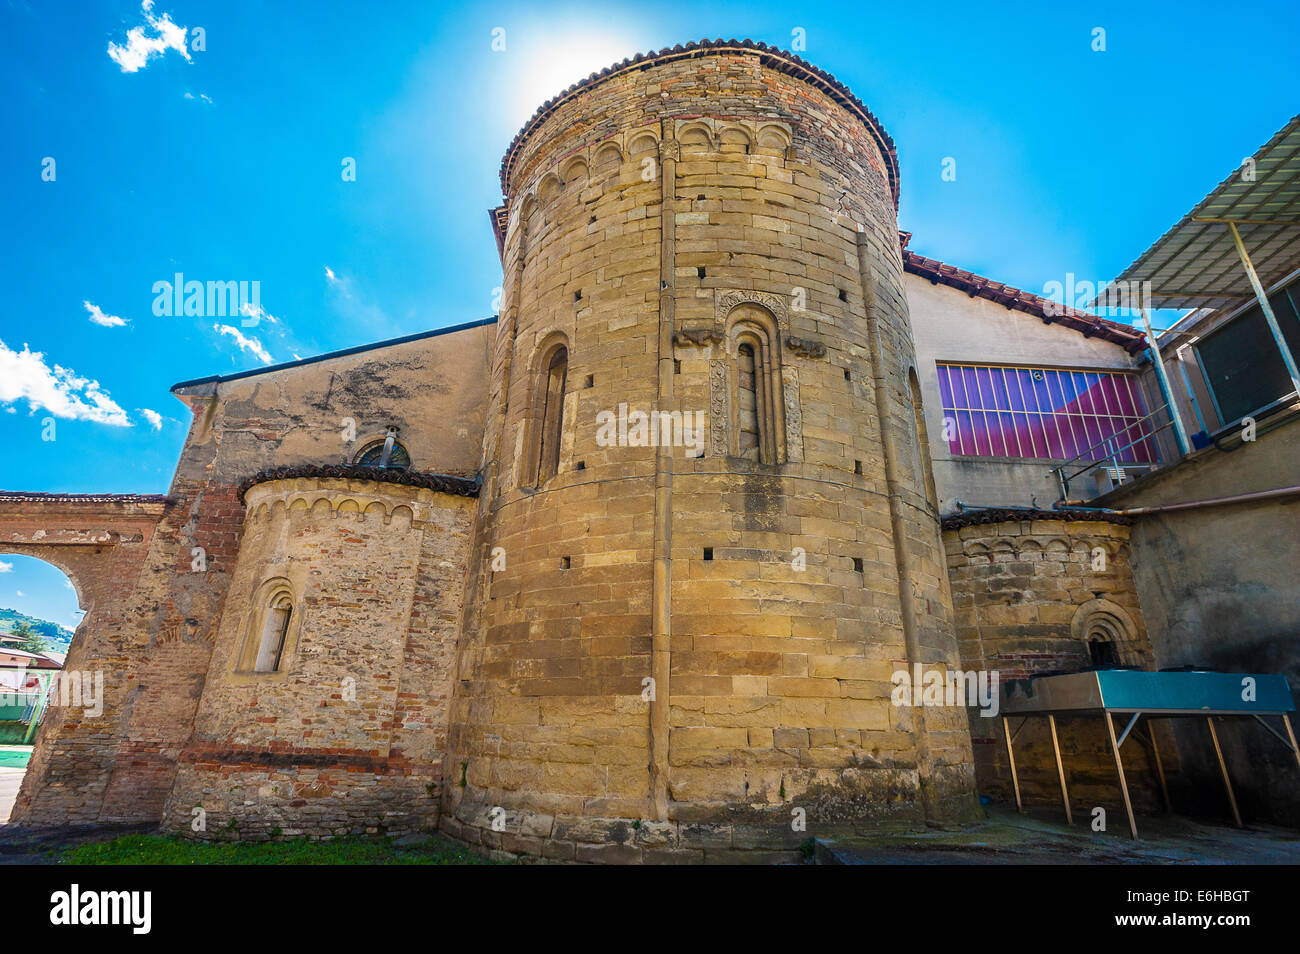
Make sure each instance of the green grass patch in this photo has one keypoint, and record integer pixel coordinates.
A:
(174, 850)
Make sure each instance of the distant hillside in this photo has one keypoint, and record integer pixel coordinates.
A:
(60, 636)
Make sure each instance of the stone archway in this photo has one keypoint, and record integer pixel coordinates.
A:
(1104, 622)
(100, 542)
(87, 536)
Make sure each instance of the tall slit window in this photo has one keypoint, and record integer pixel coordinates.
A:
(550, 418)
(747, 400)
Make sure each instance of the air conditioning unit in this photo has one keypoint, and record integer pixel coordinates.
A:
(1106, 476)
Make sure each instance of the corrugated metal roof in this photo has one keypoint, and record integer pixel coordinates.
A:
(1195, 264)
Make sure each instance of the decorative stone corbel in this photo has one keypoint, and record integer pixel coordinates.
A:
(697, 337)
(806, 348)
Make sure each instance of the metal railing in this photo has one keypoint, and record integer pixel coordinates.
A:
(1112, 450)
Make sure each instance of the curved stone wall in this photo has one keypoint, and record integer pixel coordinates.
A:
(1031, 595)
(657, 220)
(347, 735)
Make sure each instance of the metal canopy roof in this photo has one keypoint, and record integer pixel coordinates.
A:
(1195, 264)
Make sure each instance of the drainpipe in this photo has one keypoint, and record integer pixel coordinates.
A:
(387, 453)
(1187, 383)
(1180, 433)
(1187, 505)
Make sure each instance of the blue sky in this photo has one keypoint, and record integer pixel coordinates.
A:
(32, 586)
(224, 163)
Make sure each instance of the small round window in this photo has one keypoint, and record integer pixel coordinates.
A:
(372, 455)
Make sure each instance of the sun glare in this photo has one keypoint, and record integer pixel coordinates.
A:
(551, 62)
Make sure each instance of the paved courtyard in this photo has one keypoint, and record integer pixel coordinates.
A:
(1042, 837)
(13, 765)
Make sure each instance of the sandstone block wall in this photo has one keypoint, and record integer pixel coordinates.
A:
(647, 216)
(1029, 596)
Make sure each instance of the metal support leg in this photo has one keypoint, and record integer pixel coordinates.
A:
(1288, 359)
(1123, 782)
(1011, 760)
(1160, 768)
(1223, 767)
(1175, 416)
(1286, 720)
(1060, 769)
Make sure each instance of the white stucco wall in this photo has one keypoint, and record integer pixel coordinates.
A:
(951, 326)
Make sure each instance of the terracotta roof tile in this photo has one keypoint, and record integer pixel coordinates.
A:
(1009, 297)
(970, 518)
(443, 483)
(33, 496)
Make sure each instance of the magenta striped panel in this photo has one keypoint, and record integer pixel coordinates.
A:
(1050, 413)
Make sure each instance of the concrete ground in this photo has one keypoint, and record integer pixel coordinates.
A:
(1042, 837)
(11, 777)
(1004, 837)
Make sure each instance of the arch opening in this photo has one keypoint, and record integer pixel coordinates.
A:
(39, 613)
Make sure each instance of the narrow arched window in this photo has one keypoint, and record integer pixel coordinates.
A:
(1102, 654)
(757, 417)
(274, 630)
(550, 413)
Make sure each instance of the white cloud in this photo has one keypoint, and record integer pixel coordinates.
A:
(254, 314)
(139, 48)
(6, 567)
(153, 417)
(61, 391)
(356, 305)
(203, 96)
(20, 593)
(98, 317)
(245, 344)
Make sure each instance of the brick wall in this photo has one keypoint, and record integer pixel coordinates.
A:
(347, 736)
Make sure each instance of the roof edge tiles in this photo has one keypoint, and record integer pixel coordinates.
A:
(1089, 326)
(443, 483)
(40, 496)
(771, 56)
(971, 518)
